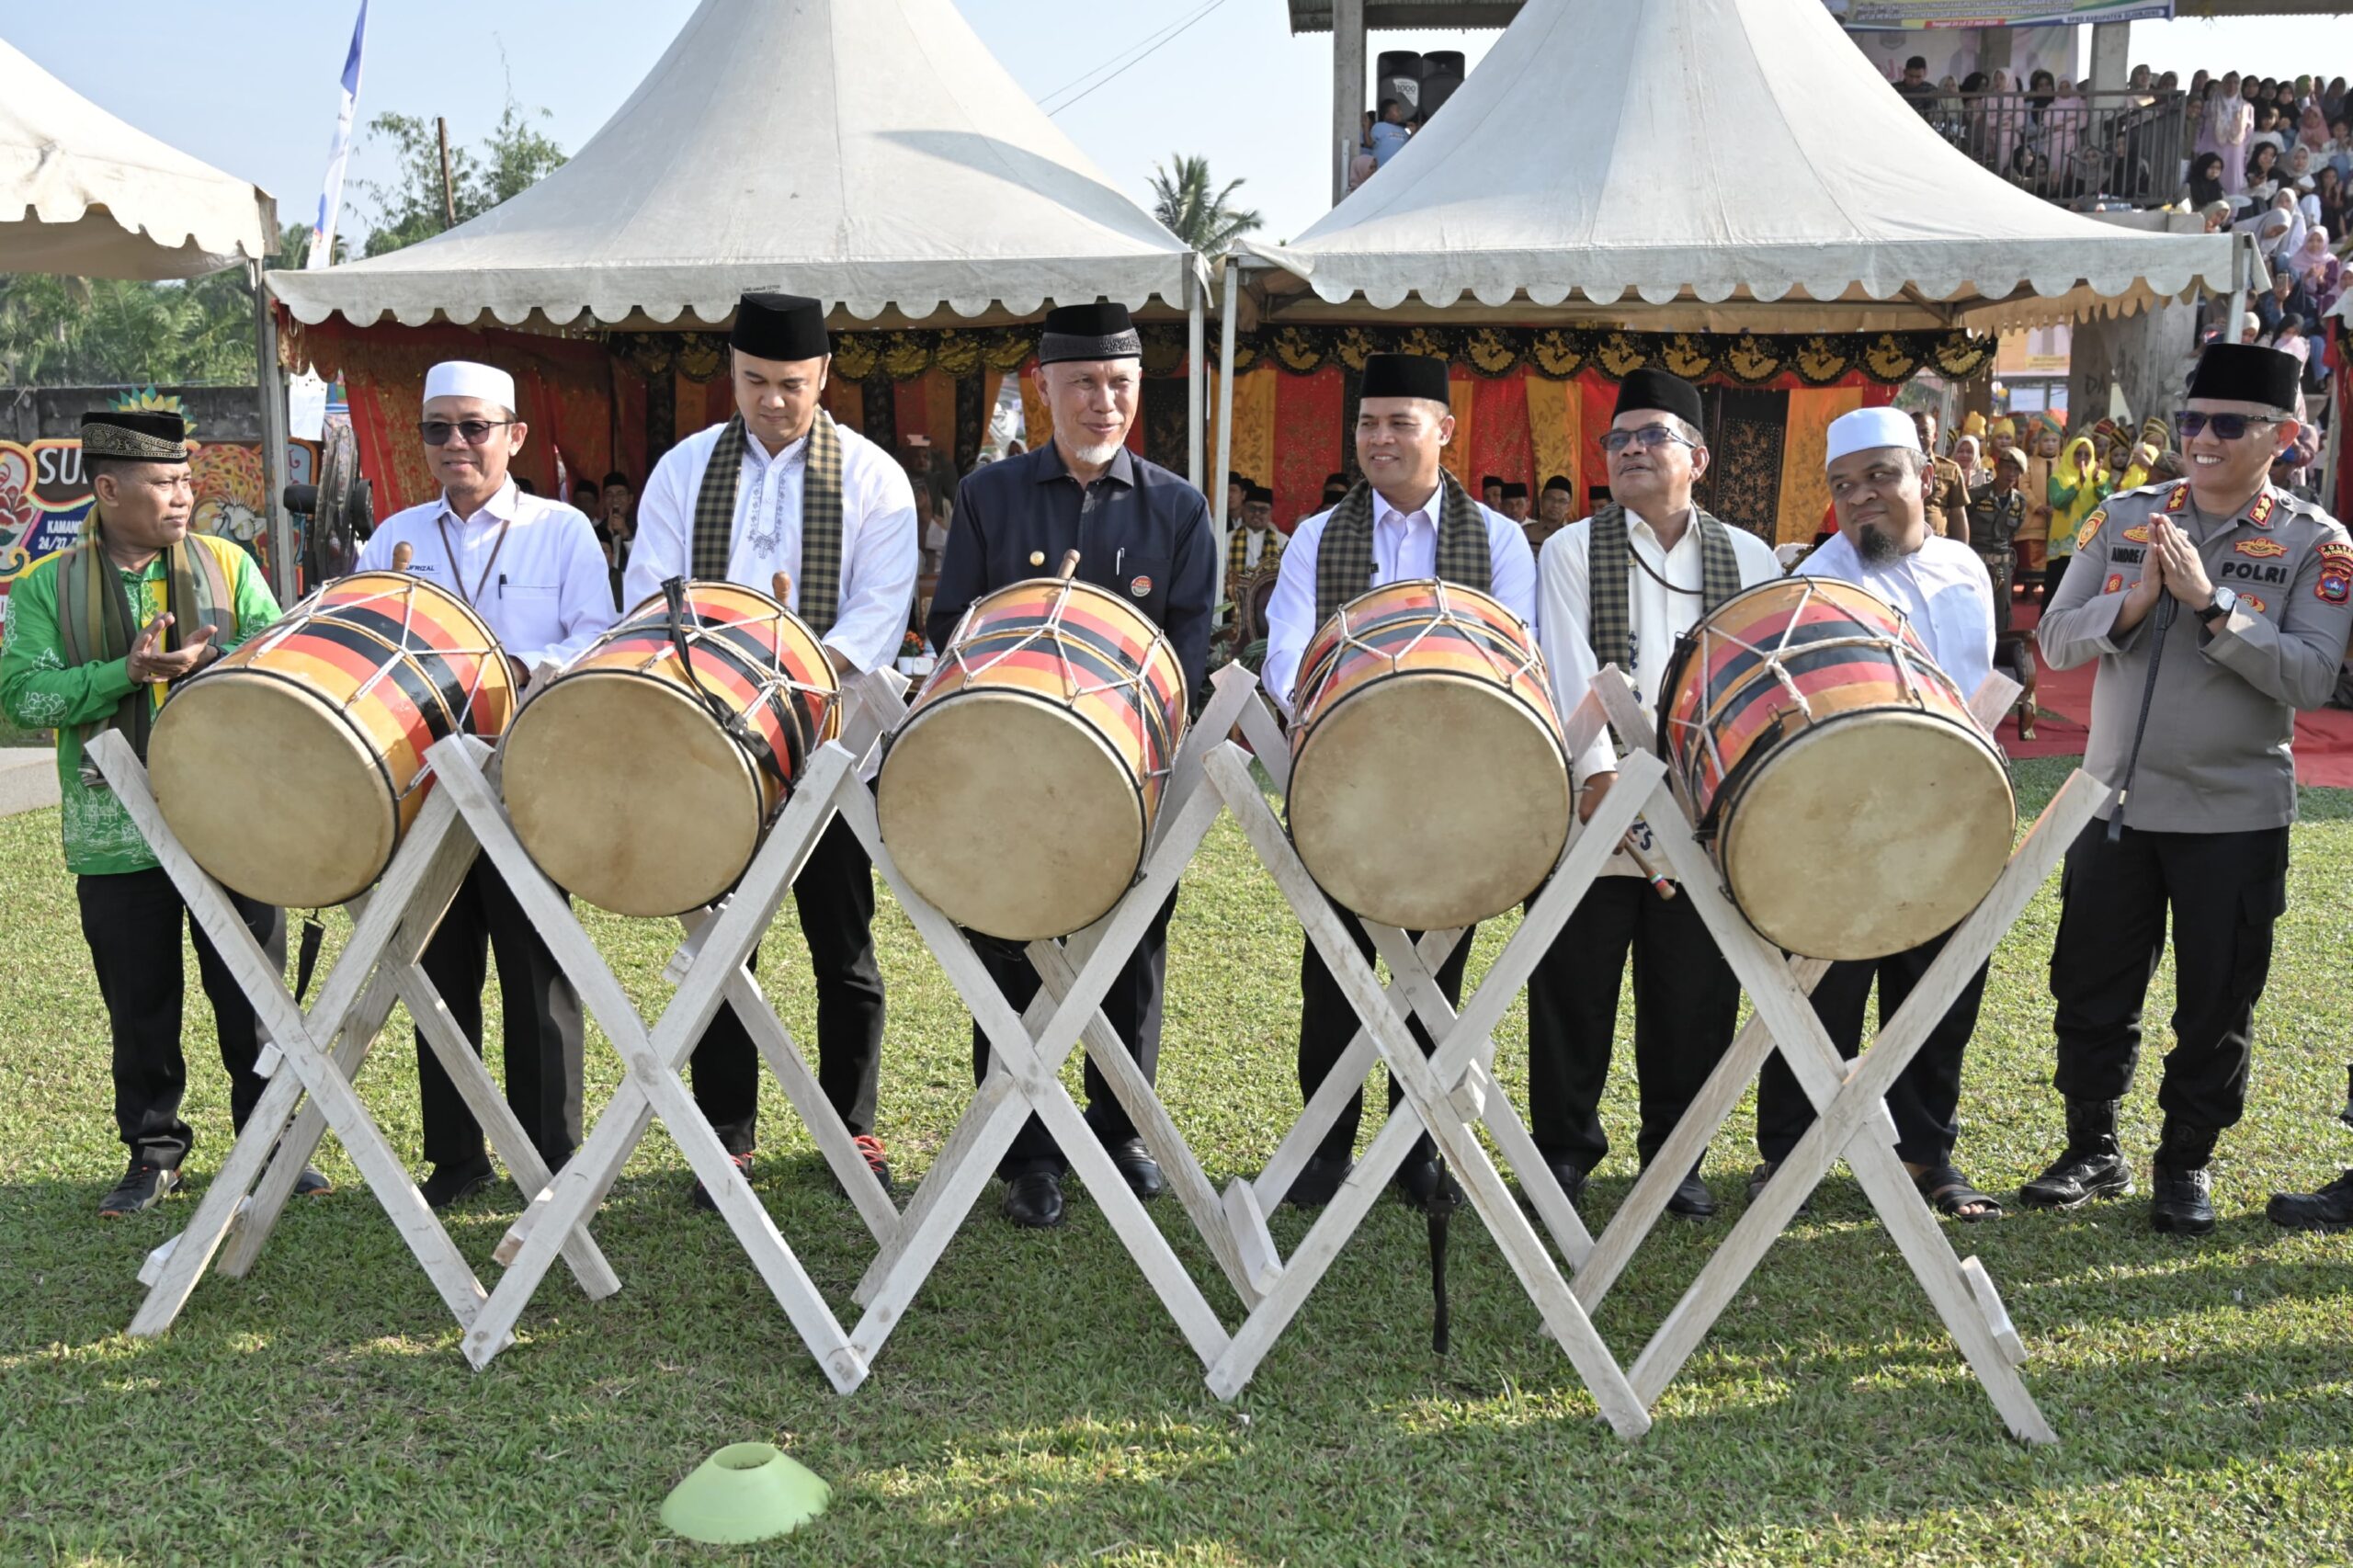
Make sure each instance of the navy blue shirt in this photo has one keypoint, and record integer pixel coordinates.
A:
(1140, 531)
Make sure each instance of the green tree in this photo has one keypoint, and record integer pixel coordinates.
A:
(515, 156)
(1205, 220)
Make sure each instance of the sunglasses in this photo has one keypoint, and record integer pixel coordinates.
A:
(2227, 427)
(1649, 438)
(473, 432)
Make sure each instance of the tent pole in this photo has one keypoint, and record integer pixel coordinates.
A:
(1223, 491)
(270, 385)
(1196, 380)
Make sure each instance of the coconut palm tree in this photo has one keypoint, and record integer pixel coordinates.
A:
(1183, 201)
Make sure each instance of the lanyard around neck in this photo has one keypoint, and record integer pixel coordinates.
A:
(457, 576)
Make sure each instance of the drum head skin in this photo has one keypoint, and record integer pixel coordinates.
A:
(1010, 814)
(1429, 801)
(272, 792)
(628, 794)
(1922, 801)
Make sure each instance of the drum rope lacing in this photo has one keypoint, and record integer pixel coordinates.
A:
(1528, 665)
(295, 621)
(683, 639)
(1773, 660)
(1129, 689)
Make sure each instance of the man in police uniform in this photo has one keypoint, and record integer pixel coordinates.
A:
(1944, 494)
(1144, 534)
(2248, 591)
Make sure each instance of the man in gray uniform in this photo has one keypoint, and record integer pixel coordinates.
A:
(2247, 594)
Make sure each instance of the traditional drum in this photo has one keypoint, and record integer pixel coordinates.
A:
(291, 769)
(644, 776)
(1429, 787)
(1833, 770)
(1018, 793)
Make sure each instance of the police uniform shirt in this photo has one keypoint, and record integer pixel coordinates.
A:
(880, 555)
(530, 567)
(2216, 756)
(1141, 532)
(1565, 572)
(1405, 547)
(1942, 589)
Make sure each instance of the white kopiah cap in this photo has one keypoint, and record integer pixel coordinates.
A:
(1868, 427)
(463, 378)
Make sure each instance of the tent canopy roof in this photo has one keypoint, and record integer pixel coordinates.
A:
(82, 194)
(1707, 165)
(870, 153)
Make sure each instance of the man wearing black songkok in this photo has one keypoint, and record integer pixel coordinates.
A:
(1144, 534)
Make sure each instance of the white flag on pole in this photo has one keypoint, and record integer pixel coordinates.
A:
(339, 152)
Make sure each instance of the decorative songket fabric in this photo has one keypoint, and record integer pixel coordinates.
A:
(1610, 622)
(819, 589)
(95, 622)
(1344, 563)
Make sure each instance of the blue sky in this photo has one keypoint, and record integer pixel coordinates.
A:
(250, 85)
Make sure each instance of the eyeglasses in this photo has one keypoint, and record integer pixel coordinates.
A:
(1649, 438)
(2227, 427)
(473, 432)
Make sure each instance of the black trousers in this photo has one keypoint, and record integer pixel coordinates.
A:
(1133, 1005)
(1926, 1097)
(1685, 1003)
(835, 893)
(2223, 891)
(1327, 1024)
(539, 1007)
(131, 921)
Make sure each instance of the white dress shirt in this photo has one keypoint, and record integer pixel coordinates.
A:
(880, 549)
(1254, 545)
(1565, 569)
(543, 585)
(1404, 545)
(1942, 587)
(1565, 613)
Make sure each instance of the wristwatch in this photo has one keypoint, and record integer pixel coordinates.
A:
(2225, 602)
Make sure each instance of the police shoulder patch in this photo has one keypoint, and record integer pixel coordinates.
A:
(2090, 531)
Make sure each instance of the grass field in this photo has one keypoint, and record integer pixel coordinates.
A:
(1037, 1406)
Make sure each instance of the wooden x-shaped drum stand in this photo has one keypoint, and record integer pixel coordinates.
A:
(1447, 1094)
(377, 966)
(1851, 1119)
(1028, 1049)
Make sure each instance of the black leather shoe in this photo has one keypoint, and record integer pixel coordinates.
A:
(1692, 1201)
(1418, 1181)
(700, 1197)
(1571, 1179)
(2092, 1166)
(2180, 1203)
(311, 1184)
(1035, 1200)
(1318, 1181)
(1141, 1171)
(2330, 1208)
(450, 1184)
(141, 1187)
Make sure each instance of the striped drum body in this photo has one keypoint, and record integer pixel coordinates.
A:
(1853, 805)
(291, 768)
(628, 785)
(1429, 787)
(1018, 795)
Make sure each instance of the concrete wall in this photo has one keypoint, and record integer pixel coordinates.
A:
(218, 413)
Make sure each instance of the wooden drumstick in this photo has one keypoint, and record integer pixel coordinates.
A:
(1070, 565)
(1660, 883)
(780, 586)
(401, 555)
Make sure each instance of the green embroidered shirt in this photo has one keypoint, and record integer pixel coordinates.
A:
(38, 692)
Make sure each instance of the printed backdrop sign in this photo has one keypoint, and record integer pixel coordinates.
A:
(44, 498)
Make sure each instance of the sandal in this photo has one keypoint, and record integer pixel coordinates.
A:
(1763, 1173)
(1949, 1192)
